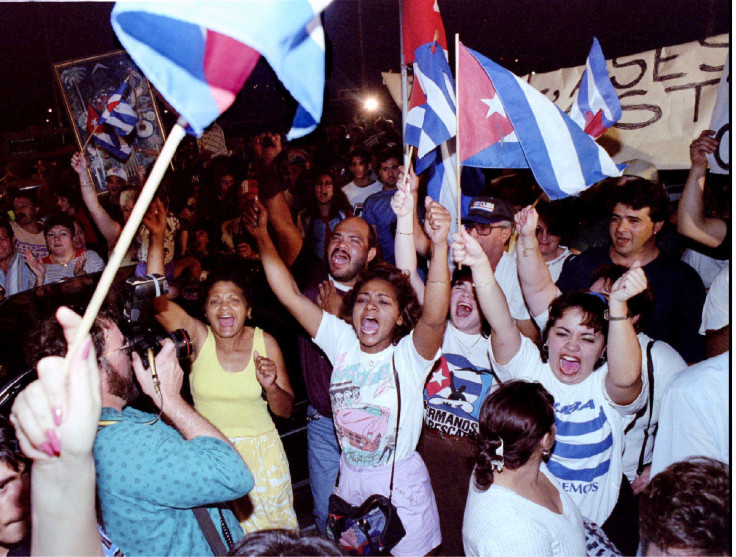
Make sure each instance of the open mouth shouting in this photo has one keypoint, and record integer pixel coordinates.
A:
(569, 365)
(369, 325)
(226, 321)
(340, 257)
(463, 309)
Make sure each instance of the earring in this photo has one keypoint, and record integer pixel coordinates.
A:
(601, 360)
(546, 452)
(545, 349)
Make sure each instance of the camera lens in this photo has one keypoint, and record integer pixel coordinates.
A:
(182, 343)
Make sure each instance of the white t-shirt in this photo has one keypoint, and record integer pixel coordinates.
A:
(666, 364)
(459, 383)
(694, 417)
(508, 279)
(363, 394)
(357, 195)
(586, 458)
(716, 307)
(499, 521)
(707, 267)
(555, 265)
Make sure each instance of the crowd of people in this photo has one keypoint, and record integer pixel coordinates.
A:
(556, 372)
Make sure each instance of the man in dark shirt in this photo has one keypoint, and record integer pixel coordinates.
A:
(637, 216)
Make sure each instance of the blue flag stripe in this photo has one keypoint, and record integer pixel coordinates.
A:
(585, 450)
(562, 472)
(566, 428)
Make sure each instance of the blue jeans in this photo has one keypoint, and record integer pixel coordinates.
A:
(323, 457)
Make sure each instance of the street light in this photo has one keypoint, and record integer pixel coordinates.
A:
(371, 104)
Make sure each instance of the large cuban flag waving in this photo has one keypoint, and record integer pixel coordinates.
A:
(563, 158)
(199, 54)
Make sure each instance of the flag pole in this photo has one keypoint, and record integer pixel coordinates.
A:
(457, 134)
(457, 127)
(126, 236)
(403, 66)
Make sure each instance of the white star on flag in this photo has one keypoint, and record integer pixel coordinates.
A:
(438, 377)
(494, 105)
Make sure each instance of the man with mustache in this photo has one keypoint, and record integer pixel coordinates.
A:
(353, 245)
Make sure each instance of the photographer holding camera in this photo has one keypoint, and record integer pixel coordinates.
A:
(151, 476)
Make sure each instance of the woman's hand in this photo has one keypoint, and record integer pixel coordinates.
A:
(79, 164)
(437, 221)
(631, 283)
(265, 370)
(328, 299)
(401, 203)
(255, 219)
(37, 267)
(465, 249)
(526, 222)
(412, 180)
(80, 263)
(155, 218)
(55, 417)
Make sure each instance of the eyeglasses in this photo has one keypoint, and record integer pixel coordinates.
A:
(483, 229)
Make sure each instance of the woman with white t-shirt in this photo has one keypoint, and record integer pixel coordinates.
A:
(515, 506)
(385, 332)
(593, 396)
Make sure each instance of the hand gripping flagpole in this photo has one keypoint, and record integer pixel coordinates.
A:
(126, 236)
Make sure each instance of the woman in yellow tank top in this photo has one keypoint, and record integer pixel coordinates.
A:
(233, 365)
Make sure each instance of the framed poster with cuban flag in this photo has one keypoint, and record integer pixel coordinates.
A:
(113, 114)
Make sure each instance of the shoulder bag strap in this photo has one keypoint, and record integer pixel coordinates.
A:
(650, 376)
(210, 532)
(398, 418)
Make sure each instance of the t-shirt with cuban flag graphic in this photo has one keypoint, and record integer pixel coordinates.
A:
(363, 394)
(587, 456)
(458, 384)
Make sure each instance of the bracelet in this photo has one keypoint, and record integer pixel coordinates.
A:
(406, 233)
(481, 285)
(608, 317)
(438, 281)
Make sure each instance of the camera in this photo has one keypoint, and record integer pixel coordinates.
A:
(137, 313)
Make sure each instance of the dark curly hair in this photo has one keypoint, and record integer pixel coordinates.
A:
(687, 506)
(228, 274)
(10, 452)
(283, 542)
(640, 193)
(48, 338)
(410, 309)
(590, 305)
(58, 219)
(519, 413)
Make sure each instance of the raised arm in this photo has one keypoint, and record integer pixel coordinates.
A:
(289, 241)
(55, 420)
(691, 219)
(109, 228)
(169, 314)
(623, 382)
(537, 286)
(505, 335)
(404, 205)
(306, 312)
(430, 328)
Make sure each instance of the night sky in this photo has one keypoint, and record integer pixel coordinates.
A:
(363, 40)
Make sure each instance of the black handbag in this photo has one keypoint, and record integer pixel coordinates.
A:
(374, 527)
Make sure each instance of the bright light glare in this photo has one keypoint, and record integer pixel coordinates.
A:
(370, 104)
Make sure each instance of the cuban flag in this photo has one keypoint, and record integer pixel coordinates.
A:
(564, 159)
(432, 121)
(596, 107)
(199, 54)
(421, 24)
(118, 113)
(104, 136)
